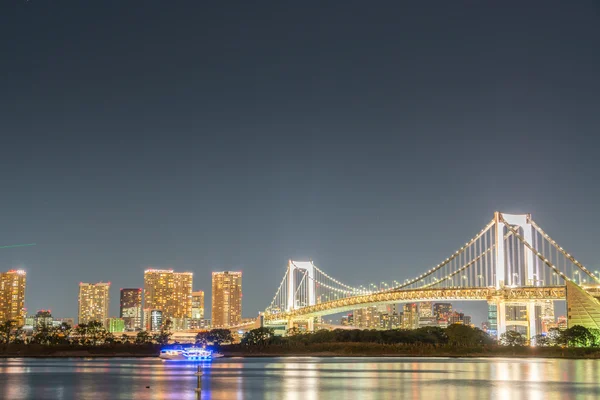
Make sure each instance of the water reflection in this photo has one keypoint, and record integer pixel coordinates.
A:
(301, 379)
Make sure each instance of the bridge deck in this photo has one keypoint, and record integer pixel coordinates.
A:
(416, 295)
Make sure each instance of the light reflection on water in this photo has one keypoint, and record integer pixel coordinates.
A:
(302, 378)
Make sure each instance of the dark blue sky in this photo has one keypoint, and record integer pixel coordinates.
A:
(374, 138)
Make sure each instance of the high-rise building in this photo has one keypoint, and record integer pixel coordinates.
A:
(425, 309)
(493, 319)
(93, 302)
(226, 298)
(441, 312)
(426, 317)
(12, 296)
(516, 312)
(547, 315)
(198, 304)
(131, 308)
(410, 318)
(169, 292)
(197, 321)
(368, 317)
(390, 321)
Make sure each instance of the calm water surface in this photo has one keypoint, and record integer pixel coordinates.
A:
(303, 378)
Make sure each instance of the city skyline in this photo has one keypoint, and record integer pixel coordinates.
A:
(167, 300)
(176, 303)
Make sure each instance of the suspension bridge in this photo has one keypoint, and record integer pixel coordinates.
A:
(510, 261)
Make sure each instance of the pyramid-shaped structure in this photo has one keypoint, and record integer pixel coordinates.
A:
(582, 308)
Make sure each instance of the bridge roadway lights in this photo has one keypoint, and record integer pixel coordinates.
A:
(489, 294)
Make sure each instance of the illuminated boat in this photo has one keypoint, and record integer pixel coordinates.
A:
(188, 354)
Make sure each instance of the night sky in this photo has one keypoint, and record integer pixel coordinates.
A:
(374, 138)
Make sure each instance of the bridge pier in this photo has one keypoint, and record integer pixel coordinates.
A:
(531, 319)
(500, 317)
(515, 318)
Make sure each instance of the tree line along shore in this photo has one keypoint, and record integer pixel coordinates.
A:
(92, 340)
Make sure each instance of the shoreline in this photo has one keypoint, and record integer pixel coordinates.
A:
(536, 355)
(326, 350)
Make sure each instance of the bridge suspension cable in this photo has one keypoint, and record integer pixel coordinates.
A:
(456, 255)
(564, 253)
(543, 258)
(278, 302)
(336, 281)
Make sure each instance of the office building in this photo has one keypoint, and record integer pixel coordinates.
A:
(493, 319)
(425, 309)
(93, 302)
(156, 320)
(197, 321)
(456, 318)
(441, 312)
(347, 320)
(169, 292)
(43, 318)
(60, 321)
(198, 305)
(131, 308)
(390, 321)
(516, 318)
(516, 312)
(547, 315)
(226, 298)
(410, 318)
(368, 317)
(116, 325)
(12, 296)
(201, 324)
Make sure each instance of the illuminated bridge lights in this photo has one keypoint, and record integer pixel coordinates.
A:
(416, 295)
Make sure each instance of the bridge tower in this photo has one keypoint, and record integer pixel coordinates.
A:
(295, 284)
(505, 274)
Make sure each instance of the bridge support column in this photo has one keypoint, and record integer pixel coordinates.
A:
(499, 261)
(532, 278)
(291, 287)
(500, 317)
(290, 325)
(531, 317)
(310, 325)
